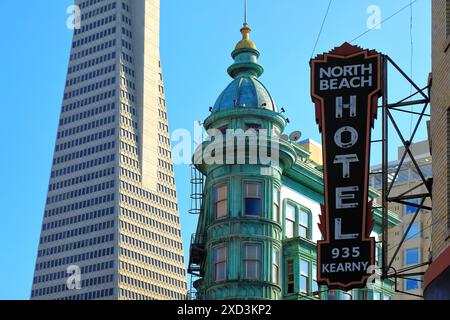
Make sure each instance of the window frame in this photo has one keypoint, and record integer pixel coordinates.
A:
(216, 202)
(332, 293)
(244, 197)
(276, 266)
(378, 293)
(416, 280)
(413, 236)
(276, 209)
(307, 276)
(290, 275)
(298, 208)
(216, 263)
(407, 208)
(301, 226)
(314, 282)
(253, 126)
(405, 262)
(245, 260)
(291, 222)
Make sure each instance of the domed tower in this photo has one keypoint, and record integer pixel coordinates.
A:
(239, 234)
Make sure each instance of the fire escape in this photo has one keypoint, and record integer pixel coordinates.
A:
(197, 250)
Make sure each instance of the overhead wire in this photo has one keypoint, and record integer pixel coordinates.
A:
(321, 28)
(411, 59)
(383, 21)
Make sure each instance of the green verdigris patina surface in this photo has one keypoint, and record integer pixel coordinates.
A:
(244, 104)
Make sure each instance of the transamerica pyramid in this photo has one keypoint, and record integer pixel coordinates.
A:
(111, 226)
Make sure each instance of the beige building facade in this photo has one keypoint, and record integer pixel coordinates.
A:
(414, 252)
(111, 226)
(315, 150)
(437, 278)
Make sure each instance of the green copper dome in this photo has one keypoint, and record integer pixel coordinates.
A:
(245, 91)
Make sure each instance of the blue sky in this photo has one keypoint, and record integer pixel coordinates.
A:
(197, 37)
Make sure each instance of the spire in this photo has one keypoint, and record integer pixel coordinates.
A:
(245, 31)
(245, 13)
(245, 54)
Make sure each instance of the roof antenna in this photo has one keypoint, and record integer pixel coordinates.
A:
(245, 13)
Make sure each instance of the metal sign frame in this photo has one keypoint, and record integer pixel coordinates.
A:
(389, 117)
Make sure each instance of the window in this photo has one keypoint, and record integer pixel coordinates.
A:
(303, 225)
(376, 295)
(378, 254)
(290, 221)
(364, 295)
(223, 130)
(252, 199)
(304, 276)
(412, 256)
(332, 295)
(412, 283)
(252, 126)
(315, 286)
(276, 205)
(221, 202)
(220, 263)
(411, 209)
(276, 266)
(290, 276)
(414, 232)
(252, 261)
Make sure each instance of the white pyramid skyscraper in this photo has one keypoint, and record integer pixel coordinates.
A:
(111, 226)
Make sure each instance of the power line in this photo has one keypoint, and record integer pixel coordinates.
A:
(418, 233)
(411, 58)
(385, 20)
(321, 28)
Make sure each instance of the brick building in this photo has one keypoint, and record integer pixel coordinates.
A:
(437, 278)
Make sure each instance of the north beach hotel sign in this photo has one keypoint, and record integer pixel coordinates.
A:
(346, 85)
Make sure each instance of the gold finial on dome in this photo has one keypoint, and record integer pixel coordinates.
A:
(245, 31)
